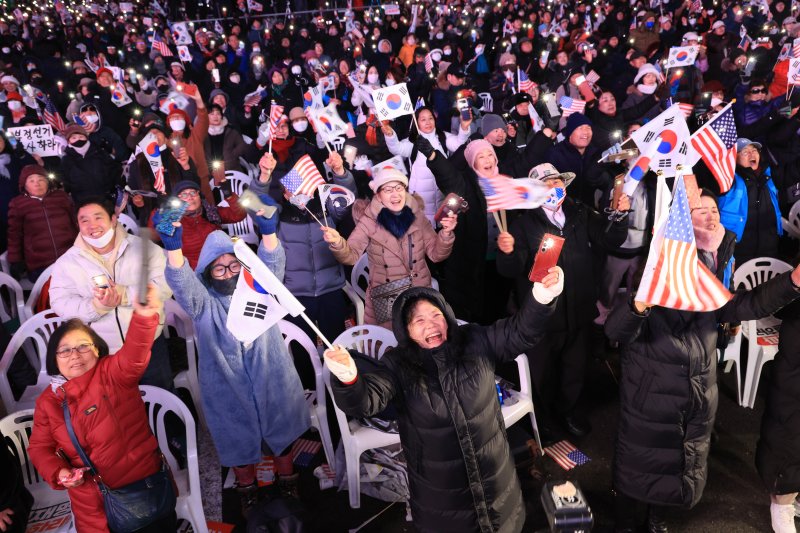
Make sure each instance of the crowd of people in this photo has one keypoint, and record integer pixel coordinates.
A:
(149, 103)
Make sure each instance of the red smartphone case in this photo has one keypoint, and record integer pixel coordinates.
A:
(547, 255)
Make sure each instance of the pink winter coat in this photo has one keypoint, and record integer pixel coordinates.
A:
(388, 255)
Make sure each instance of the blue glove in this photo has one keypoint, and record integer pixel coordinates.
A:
(266, 226)
(171, 242)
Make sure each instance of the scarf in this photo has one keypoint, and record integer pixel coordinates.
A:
(83, 150)
(372, 129)
(277, 90)
(281, 148)
(396, 223)
(218, 130)
(5, 159)
(56, 382)
(211, 213)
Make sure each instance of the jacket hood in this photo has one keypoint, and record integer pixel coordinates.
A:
(217, 243)
(409, 296)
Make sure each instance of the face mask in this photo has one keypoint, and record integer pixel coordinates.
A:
(447, 51)
(79, 144)
(102, 241)
(14, 105)
(372, 79)
(773, 31)
(177, 125)
(300, 126)
(296, 70)
(646, 89)
(92, 119)
(692, 22)
(162, 88)
(478, 50)
(256, 49)
(6, 50)
(225, 286)
(513, 39)
(439, 36)
(389, 82)
(235, 79)
(556, 198)
(436, 56)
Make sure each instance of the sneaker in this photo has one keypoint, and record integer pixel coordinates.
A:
(782, 518)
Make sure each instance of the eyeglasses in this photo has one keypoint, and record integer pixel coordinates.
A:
(188, 194)
(219, 270)
(66, 353)
(758, 91)
(749, 151)
(396, 188)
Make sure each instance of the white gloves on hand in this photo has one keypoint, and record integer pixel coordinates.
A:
(263, 134)
(362, 162)
(545, 295)
(341, 364)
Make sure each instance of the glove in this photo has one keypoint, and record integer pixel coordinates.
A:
(346, 373)
(545, 295)
(362, 162)
(226, 188)
(17, 270)
(266, 226)
(425, 147)
(263, 134)
(171, 242)
(615, 149)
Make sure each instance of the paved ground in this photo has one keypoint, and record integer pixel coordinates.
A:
(734, 500)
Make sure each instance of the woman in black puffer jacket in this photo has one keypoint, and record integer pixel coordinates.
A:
(777, 454)
(441, 380)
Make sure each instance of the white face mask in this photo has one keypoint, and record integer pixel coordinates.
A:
(436, 56)
(439, 36)
(177, 125)
(478, 50)
(6, 50)
(556, 198)
(296, 70)
(92, 118)
(372, 79)
(102, 241)
(389, 82)
(513, 39)
(646, 89)
(15, 105)
(235, 79)
(447, 51)
(300, 126)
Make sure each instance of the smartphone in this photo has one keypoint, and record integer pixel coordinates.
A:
(463, 106)
(619, 182)
(176, 143)
(705, 102)
(251, 203)
(452, 202)
(546, 256)
(350, 153)
(172, 211)
(215, 75)
(187, 89)
(544, 57)
(551, 104)
(100, 281)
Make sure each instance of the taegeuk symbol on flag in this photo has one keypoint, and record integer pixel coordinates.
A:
(682, 56)
(671, 134)
(392, 102)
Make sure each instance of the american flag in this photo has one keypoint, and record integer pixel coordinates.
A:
(503, 192)
(673, 276)
(566, 455)
(796, 47)
(571, 105)
(592, 78)
(51, 114)
(304, 178)
(161, 46)
(275, 114)
(525, 83)
(716, 144)
(420, 103)
(255, 97)
(686, 109)
(304, 450)
(428, 62)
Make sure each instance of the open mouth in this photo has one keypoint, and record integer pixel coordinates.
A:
(96, 233)
(434, 338)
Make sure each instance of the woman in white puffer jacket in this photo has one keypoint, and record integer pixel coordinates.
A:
(421, 181)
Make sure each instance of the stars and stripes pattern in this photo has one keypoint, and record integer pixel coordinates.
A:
(571, 105)
(503, 192)
(161, 46)
(275, 114)
(51, 115)
(686, 109)
(673, 276)
(254, 98)
(592, 78)
(796, 47)
(716, 144)
(525, 83)
(304, 178)
(428, 62)
(566, 455)
(304, 450)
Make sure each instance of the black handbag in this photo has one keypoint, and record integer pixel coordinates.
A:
(136, 505)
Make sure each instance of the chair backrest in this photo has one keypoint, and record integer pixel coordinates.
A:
(16, 428)
(252, 171)
(369, 340)
(359, 276)
(32, 336)
(36, 291)
(244, 228)
(12, 302)
(292, 333)
(338, 143)
(488, 102)
(5, 266)
(128, 223)
(175, 316)
(757, 271)
(158, 402)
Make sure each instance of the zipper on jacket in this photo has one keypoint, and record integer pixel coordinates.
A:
(116, 309)
(50, 230)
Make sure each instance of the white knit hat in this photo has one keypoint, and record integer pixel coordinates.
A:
(386, 175)
(647, 68)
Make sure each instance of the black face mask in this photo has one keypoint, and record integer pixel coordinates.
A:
(79, 144)
(225, 286)
(162, 88)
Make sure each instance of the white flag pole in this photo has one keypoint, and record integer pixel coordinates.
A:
(316, 330)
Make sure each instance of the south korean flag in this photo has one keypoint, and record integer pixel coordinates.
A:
(253, 310)
(392, 102)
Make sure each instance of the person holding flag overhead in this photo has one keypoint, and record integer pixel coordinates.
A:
(250, 390)
(668, 333)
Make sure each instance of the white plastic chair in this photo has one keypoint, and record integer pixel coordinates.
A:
(792, 224)
(488, 102)
(17, 428)
(189, 506)
(244, 228)
(129, 224)
(252, 170)
(32, 337)
(175, 316)
(5, 268)
(14, 306)
(316, 400)
(752, 273)
(359, 276)
(36, 291)
(356, 439)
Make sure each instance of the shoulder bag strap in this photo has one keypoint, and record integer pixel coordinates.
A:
(410, 258)
(78, 447)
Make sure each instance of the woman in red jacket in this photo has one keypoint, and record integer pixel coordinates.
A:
(41, 224)
(107, 413)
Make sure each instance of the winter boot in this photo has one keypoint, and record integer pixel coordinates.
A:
(782, 518)
(289, 486)
(655, 520)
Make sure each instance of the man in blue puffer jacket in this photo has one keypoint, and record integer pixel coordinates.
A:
(750, 208)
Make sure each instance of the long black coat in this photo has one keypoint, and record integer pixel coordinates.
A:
(668, 392)
(96, 174)
(460, 469)
(777, 459)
